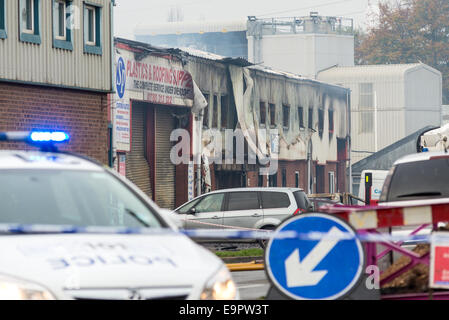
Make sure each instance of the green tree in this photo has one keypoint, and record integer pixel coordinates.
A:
(409, 32)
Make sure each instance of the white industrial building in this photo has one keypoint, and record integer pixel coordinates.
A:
(301, 45)
(444, 114)
(388, 102)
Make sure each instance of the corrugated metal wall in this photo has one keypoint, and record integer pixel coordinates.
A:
(137, 166)
(408, 98)
(41, 63)
(165, 169)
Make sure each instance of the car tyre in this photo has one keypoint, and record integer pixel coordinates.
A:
(264, 243)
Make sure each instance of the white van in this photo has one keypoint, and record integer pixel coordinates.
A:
(377, 180)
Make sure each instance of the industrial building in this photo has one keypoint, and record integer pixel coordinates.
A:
(226, 38)
(388, 102)
(300, 45)
(56, 72)
(160, 90)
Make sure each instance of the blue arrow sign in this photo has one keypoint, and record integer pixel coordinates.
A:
(320, 269)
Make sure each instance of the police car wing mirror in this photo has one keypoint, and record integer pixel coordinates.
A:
(192, 211)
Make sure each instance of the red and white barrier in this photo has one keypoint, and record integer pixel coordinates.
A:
(410, 213)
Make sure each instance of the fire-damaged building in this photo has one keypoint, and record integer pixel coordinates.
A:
(187, 122)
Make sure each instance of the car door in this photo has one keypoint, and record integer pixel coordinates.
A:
(277, 206)
(242, 210)
(208, 213)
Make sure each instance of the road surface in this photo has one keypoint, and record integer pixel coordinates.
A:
(252, 285)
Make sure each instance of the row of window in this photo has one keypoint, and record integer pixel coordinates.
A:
(212, 110)
(286, 117)
(65, 18)
(273, 181)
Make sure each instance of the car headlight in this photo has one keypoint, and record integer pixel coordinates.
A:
(220, 287)
(15, 289)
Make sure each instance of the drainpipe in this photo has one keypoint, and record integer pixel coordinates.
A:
(309, 167)
(112, 152)
(111, 30)
(199, 131)
(348, 106)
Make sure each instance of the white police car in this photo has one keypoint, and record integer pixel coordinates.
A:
(72, 229)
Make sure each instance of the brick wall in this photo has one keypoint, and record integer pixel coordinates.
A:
(82, 114)
(290, 168)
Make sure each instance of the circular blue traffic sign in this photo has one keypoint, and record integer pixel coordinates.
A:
(120, 78)
(327, 267)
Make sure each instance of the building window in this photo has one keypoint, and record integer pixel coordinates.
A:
(331, 122)
(260, 181)
(273, 180)
(28, 16)
(272, 111)
(62, 33)
(320, 122)
(59, 18)
(331, 182)
(2, 19)
(285, 116)
(366, 105)
(215, 112)
(92, 29)
(206, 112)
(301, 117)
(224, 112)
(296, 179)
(90, 20)
(263, 113)
(284, 177)
(310, 121)
(29, 21)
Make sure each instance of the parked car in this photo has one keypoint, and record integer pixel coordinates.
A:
(254, 208)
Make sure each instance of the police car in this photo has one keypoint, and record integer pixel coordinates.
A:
(73, 229)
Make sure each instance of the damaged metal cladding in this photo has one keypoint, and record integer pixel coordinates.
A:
(324, 112)
(300, 97)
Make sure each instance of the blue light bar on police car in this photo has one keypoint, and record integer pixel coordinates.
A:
(48, 136)
(35, 137)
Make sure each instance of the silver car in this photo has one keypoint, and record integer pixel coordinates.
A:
(253, 208)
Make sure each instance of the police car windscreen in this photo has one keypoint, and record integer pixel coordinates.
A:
(420, 180)
(78, 198)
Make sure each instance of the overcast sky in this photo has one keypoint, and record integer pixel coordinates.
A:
(130, 13)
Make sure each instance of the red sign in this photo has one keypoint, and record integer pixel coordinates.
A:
(162, 81)
(122, 165)
(439, 265)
